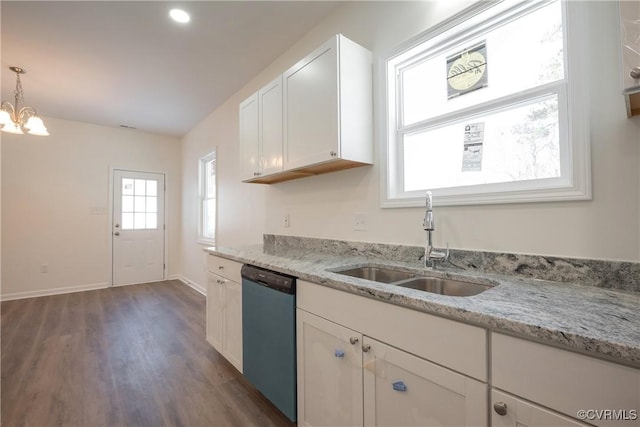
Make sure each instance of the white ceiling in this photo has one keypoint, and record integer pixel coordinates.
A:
(126, 63)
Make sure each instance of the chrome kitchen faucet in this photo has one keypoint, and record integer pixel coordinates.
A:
(430, 253)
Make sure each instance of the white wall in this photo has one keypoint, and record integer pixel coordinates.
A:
(606, 227)
(49, 187)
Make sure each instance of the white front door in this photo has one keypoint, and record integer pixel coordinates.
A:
(138, 227)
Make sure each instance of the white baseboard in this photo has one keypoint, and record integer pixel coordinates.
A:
(191, 283)
(92, 286)
(55, 291)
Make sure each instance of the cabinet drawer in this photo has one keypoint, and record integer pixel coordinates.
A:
(455, 345)
(564, 381)
(224, 267)
(516, 413)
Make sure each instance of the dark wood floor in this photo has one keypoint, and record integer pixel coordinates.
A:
(125, 356)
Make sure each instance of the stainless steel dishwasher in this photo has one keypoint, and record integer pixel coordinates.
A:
(269, 335)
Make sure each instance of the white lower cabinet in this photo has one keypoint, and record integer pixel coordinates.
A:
(232, 324)
(215, 304)
(404, 390)
(224, 309)
(510, 411)
(347, 378)
(329, 373)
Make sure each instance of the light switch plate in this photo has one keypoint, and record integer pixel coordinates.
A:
(360, 222)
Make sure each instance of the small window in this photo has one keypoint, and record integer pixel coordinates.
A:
(207, 232)
(488, 108)
(139, 204)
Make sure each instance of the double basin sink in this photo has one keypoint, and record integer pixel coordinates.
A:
(405, 279)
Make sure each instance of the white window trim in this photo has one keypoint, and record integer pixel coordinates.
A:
(201, 192)
(576, 185)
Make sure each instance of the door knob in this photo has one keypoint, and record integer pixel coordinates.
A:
(117, 233)
(635, 73)
(500, 408)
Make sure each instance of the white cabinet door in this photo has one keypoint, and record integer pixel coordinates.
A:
(403, 390)
(509, 411)
(215, 303)
(232, 329)
(311, 108)
(270, 98)
(329, 373)
(630, 39)
(249, 138)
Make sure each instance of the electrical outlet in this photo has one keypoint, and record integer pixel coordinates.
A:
(44, 268)
(360, 222)
(286, 220)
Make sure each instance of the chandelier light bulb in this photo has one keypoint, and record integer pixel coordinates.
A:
(5, 118)
(12, 128)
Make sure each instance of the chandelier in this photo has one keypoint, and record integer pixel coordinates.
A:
(14, 118)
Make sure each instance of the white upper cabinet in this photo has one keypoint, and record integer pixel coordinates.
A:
(630, 54)
(315, 118)
(328, 108)
(261, 132)
(270, 98)
(249, 138)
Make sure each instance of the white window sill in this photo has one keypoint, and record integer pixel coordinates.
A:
(206, 242)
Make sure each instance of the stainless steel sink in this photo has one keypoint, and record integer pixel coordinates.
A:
(451, 287)
(405, 279)
(377, 274)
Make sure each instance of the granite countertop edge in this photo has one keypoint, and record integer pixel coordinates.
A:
(600, 322)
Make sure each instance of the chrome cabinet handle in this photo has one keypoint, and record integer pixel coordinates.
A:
(117, 233)
(221, 267)
(366, 348)
(635, 73)
(500, 408)
(353, 340)
(333, 153)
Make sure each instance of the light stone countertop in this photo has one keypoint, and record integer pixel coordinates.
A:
(600, 322)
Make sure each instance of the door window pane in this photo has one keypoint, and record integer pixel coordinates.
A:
(139, 221)
(127, 186)
(127, 221)
(140, 187)
(139, 204)
(127, 203)
(152, 204)
(152, 188)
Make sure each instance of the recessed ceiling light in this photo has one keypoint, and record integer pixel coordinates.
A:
(179, 15)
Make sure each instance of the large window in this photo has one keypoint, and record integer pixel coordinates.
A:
(489, 108)
(207, 231)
